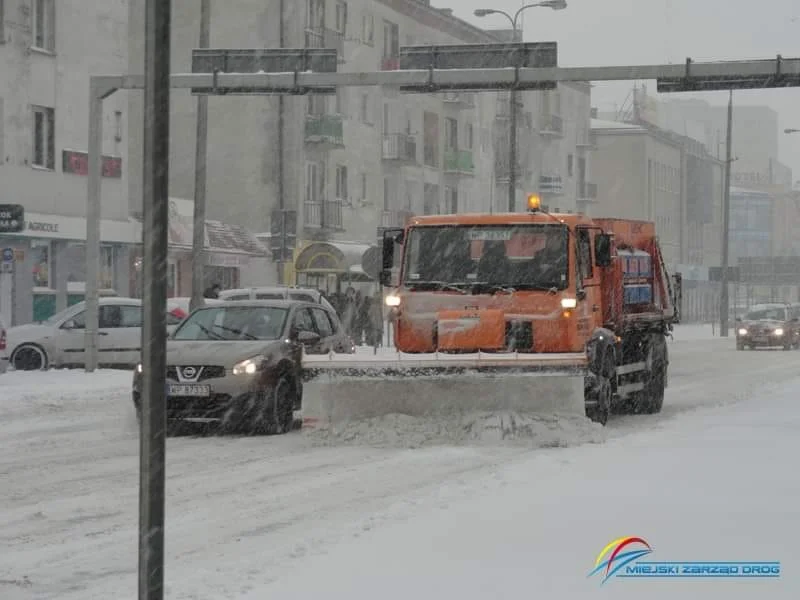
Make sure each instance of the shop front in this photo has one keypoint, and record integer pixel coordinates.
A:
(233, 256)
(332, 267)
(49, 270)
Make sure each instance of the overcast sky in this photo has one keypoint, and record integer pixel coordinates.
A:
(621, 32)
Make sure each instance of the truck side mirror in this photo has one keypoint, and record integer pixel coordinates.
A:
(602, 250)
(391, 238)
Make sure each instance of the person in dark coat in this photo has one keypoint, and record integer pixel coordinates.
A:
(213, 291)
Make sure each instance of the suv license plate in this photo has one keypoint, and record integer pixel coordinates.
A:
(188, 390)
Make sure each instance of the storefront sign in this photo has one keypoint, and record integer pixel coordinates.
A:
(12, 218)
(227, 260)
(77, 163)
(43, 227)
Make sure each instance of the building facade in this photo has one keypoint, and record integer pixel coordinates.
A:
(48, 49)
(365, 157)
(644, 172)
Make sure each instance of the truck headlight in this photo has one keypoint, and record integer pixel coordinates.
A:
(249, 366)
(569, 303)
(779, 331)
(392, 300)
(743, 331)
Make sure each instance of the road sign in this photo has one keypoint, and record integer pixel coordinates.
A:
(715, 274)
(263, 60)
(525, 55)
(731, 76)
(8, 255)
(12, 218)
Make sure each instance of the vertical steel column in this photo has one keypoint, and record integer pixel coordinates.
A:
(93, 204)
(158, 16)
(512, 153)
(200, 177)
(726, 224)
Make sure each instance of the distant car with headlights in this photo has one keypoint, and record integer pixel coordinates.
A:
(769, 325)
(237, 364)
(60, 341)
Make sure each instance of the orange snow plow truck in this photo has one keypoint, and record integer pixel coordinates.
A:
(523, 312)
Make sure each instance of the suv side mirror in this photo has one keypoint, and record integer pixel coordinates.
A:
(602, 250)
(308, 337)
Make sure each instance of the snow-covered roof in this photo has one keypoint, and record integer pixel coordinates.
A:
(604, 124)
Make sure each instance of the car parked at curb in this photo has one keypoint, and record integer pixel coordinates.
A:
(238, 364)
(60, 341)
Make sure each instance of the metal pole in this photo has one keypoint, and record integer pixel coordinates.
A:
(512, 153)
(93, 226)
(281, 144)
(154, 333)
(726, 219)
(200, 178)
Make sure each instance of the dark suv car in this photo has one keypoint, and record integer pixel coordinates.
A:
(769, 325)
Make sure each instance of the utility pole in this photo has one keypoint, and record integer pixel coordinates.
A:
(726, 220)
(155, 205)
(200, 178)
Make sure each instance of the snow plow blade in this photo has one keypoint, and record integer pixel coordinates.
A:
(347, 387)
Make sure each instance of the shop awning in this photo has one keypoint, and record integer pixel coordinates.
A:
(340, 258)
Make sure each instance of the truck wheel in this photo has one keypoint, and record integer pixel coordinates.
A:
(651, 399)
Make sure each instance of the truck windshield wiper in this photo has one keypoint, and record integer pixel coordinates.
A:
(437, 285)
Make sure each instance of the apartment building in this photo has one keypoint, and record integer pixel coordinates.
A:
(364, 157)
(48, 49)
(645, 172)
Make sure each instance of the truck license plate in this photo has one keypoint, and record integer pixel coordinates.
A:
(177, 389)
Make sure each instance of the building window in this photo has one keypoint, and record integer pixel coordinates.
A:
(368, 29)
(365, 116)
(40, 250)
(450, 134)
(569, 164)
(391, 40)
(44, 25)
(470, 136)
(341, 101)
(451, 200)
(44, 144)
(2, 22)
(341, 182)
(431, 139)
(363, 186)
(106, 275)
(341, 18)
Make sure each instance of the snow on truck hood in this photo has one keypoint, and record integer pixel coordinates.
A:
(217, 352)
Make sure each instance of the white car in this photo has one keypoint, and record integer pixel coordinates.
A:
(61, 340)
(277, 292)
(3, 347)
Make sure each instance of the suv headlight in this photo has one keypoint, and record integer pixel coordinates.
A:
(139, 368)
(779, 331)
(742, 331)
(249, 366)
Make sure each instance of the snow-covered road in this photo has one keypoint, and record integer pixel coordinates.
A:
(242, 512)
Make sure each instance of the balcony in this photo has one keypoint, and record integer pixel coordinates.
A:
(395, 218)
(400, 148)
(325, 214)
(325, 38)
(325, 130)
(459, 162)
(551, 126)
(551, 185)
(459, 100)
(390, 63)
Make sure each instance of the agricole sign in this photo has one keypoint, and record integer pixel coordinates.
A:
(43, 227)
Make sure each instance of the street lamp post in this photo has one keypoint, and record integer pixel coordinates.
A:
(512, 150)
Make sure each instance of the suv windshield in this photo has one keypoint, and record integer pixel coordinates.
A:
(470, 256)
(767, 314)
(233, 323)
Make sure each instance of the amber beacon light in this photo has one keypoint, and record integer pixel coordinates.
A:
(534, 202)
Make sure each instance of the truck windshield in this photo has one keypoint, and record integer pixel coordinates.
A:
(470, 257)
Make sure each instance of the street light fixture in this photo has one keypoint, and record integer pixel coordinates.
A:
(512, 152)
